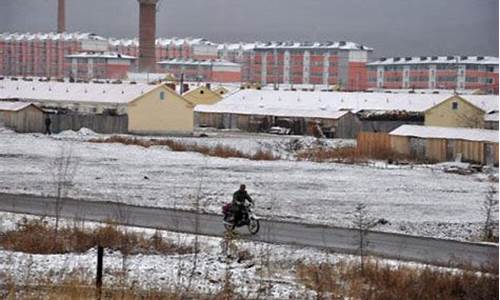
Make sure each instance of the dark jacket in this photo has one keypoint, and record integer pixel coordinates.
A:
(239, 198)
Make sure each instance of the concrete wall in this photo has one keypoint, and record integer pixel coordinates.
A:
(160, 111)
(465, 114)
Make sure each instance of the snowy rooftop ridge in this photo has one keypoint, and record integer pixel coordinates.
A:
(343, 45)
(7, 36)
(13, 106)
(452, 59)
(173, 41)
(37, 91)
(491, 116)
(253, 101)
(434, 132)
(105, 54)
(209, 62)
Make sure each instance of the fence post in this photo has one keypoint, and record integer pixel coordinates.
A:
(98, 281)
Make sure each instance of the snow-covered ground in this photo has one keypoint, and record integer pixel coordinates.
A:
(270, 269)
(420, 200)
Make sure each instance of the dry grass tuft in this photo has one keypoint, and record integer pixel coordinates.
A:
(75, 287)
(36, 236)
(382, 282)
(323, 154)
(216, 151)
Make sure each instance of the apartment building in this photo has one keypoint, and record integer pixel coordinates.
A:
(332, 63)
(216, 70)
(435, 72)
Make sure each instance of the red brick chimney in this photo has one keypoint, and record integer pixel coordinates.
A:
(147, 35)
(61, 16)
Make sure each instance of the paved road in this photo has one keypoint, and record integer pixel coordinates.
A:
(388, 245)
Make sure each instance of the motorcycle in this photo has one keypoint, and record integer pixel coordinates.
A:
(249, 219)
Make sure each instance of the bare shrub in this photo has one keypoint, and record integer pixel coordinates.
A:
(76, 287)
(383, 282)
(264, 155)
(31, 236)
(63, 170)
(363, 222)
(324, 154)
(490, 210)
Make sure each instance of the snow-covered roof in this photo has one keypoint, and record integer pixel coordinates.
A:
(162, 42)
(255, 101)
(342, 45)
(424, 91)
(37, 91)
(7, 36)
(236, 46)
(273, 111)
(491, 116)
(13, 105)
(193, 62)
(105, 54)
(433, 132)
(484, 60)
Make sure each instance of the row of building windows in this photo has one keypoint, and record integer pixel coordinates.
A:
(452, 67)
(440, 78)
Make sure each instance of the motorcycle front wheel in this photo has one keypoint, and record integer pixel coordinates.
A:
(228, 226)
(254, 226)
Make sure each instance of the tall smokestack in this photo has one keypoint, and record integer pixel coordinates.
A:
(61, 16)
(147, 35)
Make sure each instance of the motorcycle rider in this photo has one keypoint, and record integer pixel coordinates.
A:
(238, 205)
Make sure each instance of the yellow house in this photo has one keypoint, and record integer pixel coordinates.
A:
(455, 112)
(202, 95)
(221, 90)
(160, 111)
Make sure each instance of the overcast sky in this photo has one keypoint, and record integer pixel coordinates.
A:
(392, 27)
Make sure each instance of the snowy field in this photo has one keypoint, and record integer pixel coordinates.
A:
(269, 270)
(421, 200)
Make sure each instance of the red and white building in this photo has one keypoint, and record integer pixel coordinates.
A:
(435, 72)
(170, 48)
(332, 63)
(43, 54)
(202, 70)
(99, 65)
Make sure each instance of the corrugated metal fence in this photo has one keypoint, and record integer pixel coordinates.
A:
(97, 123)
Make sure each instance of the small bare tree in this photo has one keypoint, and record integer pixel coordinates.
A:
(196, 244)
(490, 208)
(363, 222)
(63, 170)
